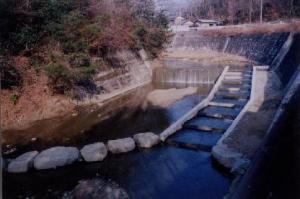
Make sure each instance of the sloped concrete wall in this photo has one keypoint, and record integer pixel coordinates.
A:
(262, 48)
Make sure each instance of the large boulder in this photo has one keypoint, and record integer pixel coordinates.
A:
(94, 152)
(22, 163)
(56, 157)
(121, 145)
(146, 140)
(95, 189)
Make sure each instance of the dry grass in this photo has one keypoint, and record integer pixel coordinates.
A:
(267, 28)
(205, 57)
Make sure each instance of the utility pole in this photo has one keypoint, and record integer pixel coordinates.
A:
(261, 10)
(292, 9)
(250, 11)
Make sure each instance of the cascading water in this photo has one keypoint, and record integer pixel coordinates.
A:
(191, 76)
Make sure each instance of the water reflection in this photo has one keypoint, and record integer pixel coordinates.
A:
(162, 172)
(118, 118)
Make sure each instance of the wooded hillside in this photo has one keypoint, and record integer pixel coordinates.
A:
(69, 40)
(243, 11)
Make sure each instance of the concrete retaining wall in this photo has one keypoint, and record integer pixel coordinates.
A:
(262, 48)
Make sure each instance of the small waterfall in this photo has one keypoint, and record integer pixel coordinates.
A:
(189, 76)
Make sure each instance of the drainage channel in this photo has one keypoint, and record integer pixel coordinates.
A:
(204, 130)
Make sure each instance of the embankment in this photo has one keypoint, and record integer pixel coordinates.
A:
(36, 102)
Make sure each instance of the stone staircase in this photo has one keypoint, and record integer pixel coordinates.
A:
(204, 130)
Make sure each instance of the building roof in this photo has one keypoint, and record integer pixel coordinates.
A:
(209, 21)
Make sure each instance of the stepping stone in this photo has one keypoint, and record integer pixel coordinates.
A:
(94, 152)
(194, 139)
(56, 157)
(22, 163)
(219, 112)
(208, 124)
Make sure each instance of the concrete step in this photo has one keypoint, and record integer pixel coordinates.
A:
(228, 95)
(208, 124)
(196, 140)
(234, 93)
(237, 77)
(234, 89)
(239, 74)
(204, 129)
(240, 70)
(220, 104)
(240, 86)
(220, 112)
(236, 81)
(238, 103)
(195, 147)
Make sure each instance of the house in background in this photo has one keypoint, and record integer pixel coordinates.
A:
(208, 22)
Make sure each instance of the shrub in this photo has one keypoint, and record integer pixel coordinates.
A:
(93, 31)
(24, 39)
(36, 62)
(56, 71)
(14, 98)
(61, 78)
(79, 60)
(84, 75)
(73, 46)
(10, 76)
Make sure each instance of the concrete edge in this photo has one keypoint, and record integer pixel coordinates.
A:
(192, 113)
(222, 153)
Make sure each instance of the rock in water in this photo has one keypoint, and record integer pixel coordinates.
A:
(56, 157)
(146, 140)
(94, 152)
(121, 145)
(22, 163)
(95, 189)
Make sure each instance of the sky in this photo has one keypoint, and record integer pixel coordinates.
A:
(174, 5)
